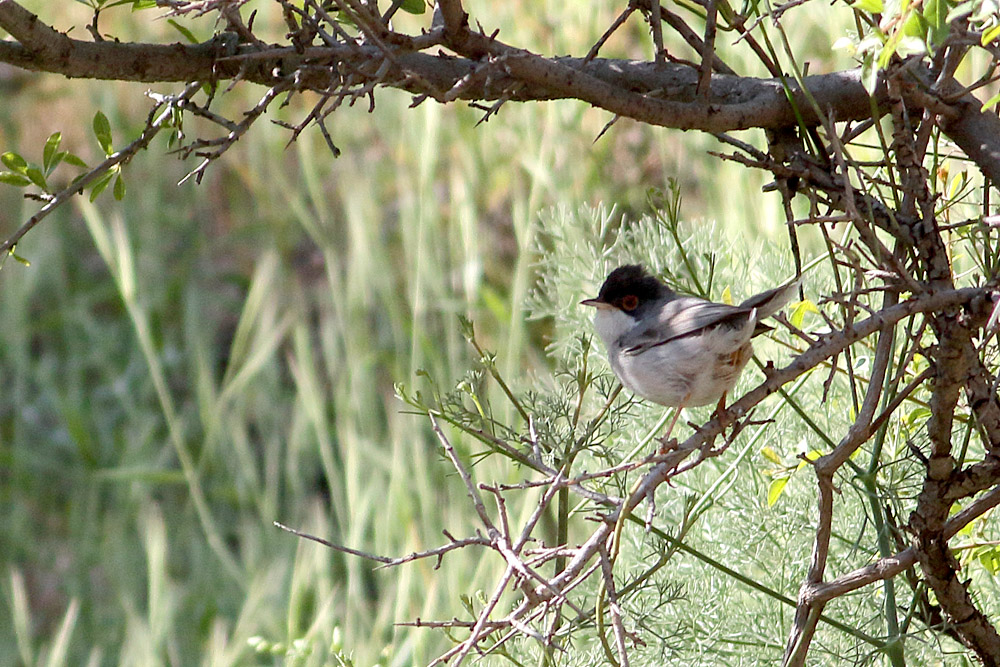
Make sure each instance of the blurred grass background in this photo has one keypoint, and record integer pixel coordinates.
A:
(180, 369)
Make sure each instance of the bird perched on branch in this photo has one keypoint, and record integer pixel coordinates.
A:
(678, 351)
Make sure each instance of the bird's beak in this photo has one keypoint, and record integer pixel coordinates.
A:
(595, 303)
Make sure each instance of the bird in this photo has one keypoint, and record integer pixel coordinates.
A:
(675, 350)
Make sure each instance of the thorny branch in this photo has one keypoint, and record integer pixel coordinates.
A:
(893, 264)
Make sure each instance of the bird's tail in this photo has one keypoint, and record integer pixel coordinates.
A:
(770, 302)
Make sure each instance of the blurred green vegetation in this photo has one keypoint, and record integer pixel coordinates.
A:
(184, 367)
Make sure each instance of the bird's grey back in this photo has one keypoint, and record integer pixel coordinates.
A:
(680, 317)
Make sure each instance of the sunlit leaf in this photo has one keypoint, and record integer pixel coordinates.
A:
(956, 184)
(889, 49)
(960, 10)
(990, 560)
(990, 35)
(870, 6)
(799, 314)
(14, 162)
(771, 455)
(990, 103)
(775, 489)
(808, 458)
(935, 12)
(727, 296)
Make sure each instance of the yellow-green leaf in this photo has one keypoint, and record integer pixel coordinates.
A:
(990, 35)
(727, 296)
(990, 559)
(809, 457)
(771, 455)
(870, 6)
(799, 314)
(990, 103)
(775, 489)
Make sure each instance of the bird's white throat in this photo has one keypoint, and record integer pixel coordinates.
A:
(611, 324)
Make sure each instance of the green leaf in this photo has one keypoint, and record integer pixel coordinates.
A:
(413, 6)
(188, 35)
(914, 25)
(990, 35)
(775, 489)
(37, 177)
(990, 103)
(102, 130)
(13, 178)
(119, 191)
(990, 559)
(916, 416)
(75, 160)
(870, 6)
(51, 150)
(960, 10)
(100, 184)
(935, 13)
(14, 162)
(56, 161)
(889, 49)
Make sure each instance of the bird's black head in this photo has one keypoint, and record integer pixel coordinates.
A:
(630, 289)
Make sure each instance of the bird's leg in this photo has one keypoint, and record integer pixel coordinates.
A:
(665, 439)
(673, 422)
(720, 407)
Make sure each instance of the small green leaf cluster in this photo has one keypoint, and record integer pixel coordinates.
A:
(902, 28)
(102, 130)
(22, 173)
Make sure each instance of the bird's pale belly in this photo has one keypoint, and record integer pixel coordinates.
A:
(683, 371)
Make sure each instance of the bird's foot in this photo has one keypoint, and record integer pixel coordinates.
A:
(667, 445)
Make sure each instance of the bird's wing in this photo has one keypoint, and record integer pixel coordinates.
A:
(681, 317)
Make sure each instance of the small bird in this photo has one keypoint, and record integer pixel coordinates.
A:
(678, 351)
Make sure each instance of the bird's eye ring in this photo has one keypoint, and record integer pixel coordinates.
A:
(630, 302)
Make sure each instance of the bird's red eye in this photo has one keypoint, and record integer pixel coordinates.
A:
(630, 302)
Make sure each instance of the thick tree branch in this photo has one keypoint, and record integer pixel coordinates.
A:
(661, 95)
